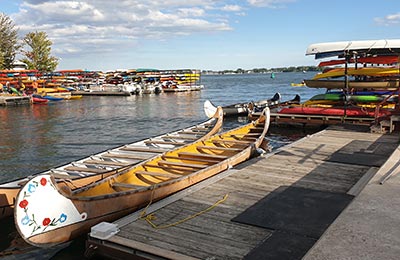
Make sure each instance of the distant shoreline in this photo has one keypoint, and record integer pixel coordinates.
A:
(263, 70)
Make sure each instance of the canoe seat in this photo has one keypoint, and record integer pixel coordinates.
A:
(62, 176)
(163, 142)
(180, 164)
(205, 155)
(125, 156)
(84, 169)
(126, 185)
(192, 132)
(100, 162)
(250, 136)
(218, 148)
(182, 171)
(159, 174)
(143, 149)
(197, 159)
(239, 142)
(179, 137)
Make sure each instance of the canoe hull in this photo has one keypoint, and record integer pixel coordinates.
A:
(112, 208)
(9, 190)
(61, 215)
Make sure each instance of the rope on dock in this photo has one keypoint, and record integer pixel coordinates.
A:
(150, 217)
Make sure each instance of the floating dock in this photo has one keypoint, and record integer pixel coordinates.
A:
(10, 100)
(276, 206)
(293, 119)
(101, 93)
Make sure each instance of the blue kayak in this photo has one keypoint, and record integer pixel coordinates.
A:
(52, 98)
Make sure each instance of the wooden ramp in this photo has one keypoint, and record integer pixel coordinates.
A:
(278, 205)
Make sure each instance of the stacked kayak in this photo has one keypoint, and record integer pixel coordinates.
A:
(335, 111)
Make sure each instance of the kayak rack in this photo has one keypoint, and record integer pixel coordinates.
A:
(317, 119)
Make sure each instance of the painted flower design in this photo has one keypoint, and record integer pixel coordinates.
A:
(63, 218)
(31, 188)
(23, 204)
(29, 217)
(25, 220)
(46, 222)
(43, 181)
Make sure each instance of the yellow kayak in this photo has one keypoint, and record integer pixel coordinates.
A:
(47, 90)
(359, 72)
(75, 97)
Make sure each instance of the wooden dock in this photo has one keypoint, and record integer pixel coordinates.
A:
(277, 207)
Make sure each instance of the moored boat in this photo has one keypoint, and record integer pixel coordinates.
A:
(37, 99)
(100, 165)
(255, 110)
(242, 109)
(51, 98)
(47, 215)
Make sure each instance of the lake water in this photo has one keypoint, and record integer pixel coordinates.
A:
(39, 137)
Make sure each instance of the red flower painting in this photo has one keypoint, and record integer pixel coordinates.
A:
(23, 204)
(46, 221)
(43, 181)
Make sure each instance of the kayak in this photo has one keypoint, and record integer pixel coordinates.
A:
(53, 98)
(369, 71)
(330, 111)
(353, 84)
(374, 60)
(341, 97)
(38, 100)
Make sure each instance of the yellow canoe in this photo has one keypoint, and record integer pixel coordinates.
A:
(56, 215)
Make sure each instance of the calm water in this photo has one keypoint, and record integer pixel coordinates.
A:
(36, 138)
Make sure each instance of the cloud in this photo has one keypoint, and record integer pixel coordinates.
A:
(102, 27)
(88, 26)
(388, 19)
(270, 3)
(232, 8)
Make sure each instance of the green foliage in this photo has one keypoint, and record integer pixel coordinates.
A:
(8, 42)
(265, 70)
(39, 54)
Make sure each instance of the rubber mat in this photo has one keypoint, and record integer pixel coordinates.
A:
(281, 245)
(364, 153)
(301, 211)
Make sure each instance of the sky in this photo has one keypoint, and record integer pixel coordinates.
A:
(199, 34)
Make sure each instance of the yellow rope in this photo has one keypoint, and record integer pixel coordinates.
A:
(143, 213)
(151, 217)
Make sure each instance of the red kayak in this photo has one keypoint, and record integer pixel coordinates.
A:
(350, 111)
(38, 100)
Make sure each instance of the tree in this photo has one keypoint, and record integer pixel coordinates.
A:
(8, 42)
(39, 57)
